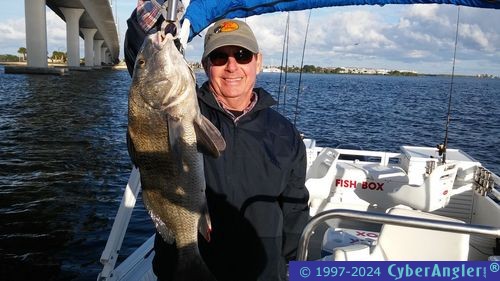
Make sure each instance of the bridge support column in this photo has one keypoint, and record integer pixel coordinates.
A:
(107, 57)
(88, 34)
(72, 34)
(36, 32)
(97, 52)
(103, 55)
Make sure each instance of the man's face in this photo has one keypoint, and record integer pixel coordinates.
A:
(232, 72)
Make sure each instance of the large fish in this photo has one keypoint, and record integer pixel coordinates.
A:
(165, 131)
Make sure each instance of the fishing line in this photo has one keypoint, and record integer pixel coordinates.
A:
(285, 88)
(285, 40)
(301, 70)
(442, 147)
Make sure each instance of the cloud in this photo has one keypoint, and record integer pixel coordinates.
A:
(429, 31)
(419, 37)
(354, 34)
(56, 33)
(476, 36)
(12, 35)
(12, 30)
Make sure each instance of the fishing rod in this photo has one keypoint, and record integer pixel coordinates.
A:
(284, 56)
(442, 147)
(301, 70)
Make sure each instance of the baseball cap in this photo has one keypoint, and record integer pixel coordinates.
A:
(230, 32)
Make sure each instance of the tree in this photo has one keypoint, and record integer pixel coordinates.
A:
(309, 68)
(9, 58)
(22, 51)
(58, 56)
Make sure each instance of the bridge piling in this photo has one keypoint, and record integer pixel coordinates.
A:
(88, 34)
(72, 34)
(36, 32)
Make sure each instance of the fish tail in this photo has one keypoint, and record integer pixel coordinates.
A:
(193, 268)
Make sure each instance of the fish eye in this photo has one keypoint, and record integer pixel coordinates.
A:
(141, 62)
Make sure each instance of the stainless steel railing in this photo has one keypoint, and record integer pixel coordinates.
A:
(383, 218)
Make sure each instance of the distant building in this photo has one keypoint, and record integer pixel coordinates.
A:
(271, 69)
(364, 70)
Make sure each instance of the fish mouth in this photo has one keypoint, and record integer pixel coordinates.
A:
(160, 39)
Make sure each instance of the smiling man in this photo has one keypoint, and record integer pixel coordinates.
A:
(232, 61)
(256, 197)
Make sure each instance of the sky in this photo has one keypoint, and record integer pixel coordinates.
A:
(396, 37)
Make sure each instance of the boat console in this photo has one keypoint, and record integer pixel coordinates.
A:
(415, 178)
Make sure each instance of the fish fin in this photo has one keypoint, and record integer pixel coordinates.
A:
(208, 137)
(167, 235)
(131, 149)
(191, 266)
(205, 225)
(175, 130)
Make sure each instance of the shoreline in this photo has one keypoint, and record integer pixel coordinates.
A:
(120, 66)
(123, 66)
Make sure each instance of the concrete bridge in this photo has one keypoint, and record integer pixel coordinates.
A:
(91, 19)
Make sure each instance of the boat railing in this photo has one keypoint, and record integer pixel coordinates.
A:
(383, 218)
(382, 157)
(111, 251)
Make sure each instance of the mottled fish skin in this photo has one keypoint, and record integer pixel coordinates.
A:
(165, 127)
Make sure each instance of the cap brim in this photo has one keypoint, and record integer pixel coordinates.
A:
(233, 40)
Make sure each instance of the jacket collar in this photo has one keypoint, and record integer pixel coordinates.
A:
(264, 99)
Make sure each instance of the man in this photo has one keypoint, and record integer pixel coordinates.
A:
(256, 196)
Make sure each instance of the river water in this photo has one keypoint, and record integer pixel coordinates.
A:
(64, 162)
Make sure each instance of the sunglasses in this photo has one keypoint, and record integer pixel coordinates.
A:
(242, 56)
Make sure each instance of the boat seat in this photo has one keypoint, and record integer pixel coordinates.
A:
(397, 243)
(320, 177)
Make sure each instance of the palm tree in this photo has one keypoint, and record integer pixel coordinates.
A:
(58, 56)
(23, 51)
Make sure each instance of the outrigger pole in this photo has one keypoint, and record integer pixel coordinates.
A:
(442, 147)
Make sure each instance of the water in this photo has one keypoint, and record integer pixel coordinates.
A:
(64, 162)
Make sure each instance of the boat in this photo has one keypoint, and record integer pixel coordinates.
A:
(421, 203)
(272, 69)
